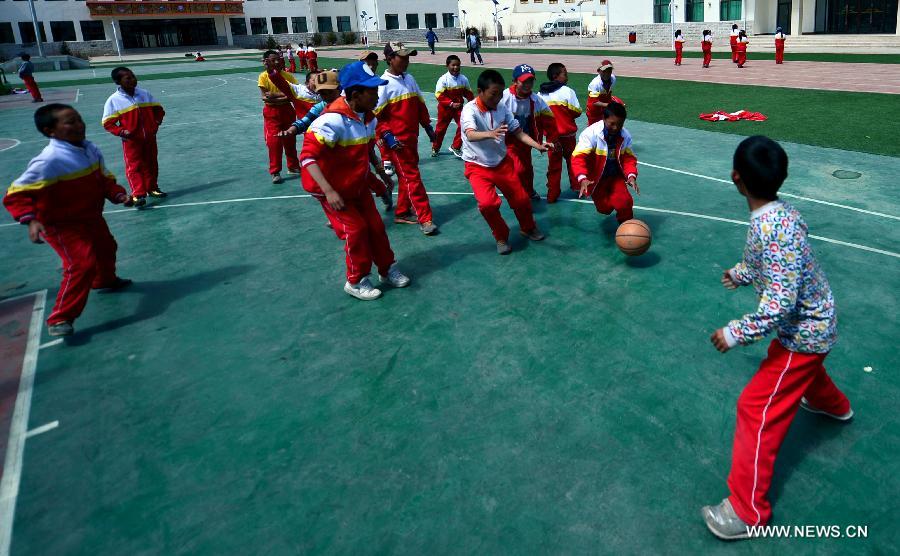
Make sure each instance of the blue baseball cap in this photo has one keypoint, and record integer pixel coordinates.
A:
(359, 74)
(523, 72)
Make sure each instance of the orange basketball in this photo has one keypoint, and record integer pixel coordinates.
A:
(633, 237)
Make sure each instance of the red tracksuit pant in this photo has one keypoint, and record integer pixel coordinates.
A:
(141, 164)
(707, 57)
(734, 54)
(88, 253)
(779, 52)
(679, 49)
(612, 194)
(741, 58)
(275, 119)
(485, 182)
(293, 67)
(765, 410)
(411, 194)
(365, 239)
(445, 116)
(32, 87)
(555, 164)
(520, 154)
(313, 64)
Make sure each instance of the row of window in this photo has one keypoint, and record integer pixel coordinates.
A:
(729, 10)
(392, 21)
(340, 24)
(61, 31)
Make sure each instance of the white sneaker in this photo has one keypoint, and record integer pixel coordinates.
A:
(395, 278)
(456, 152)
(389, 167)
(804, 404)
(363, 290)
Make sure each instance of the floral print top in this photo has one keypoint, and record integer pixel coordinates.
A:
(794, 296)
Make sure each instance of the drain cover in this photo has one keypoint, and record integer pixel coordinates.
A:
(846, 174)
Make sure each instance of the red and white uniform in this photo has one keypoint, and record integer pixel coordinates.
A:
(679, 48)
(488, 168)
(64, 189)
(706, 46)
(301, 57)
(598, 91)
(339, 142)
(742, 51)
(734, 42)
(606, 169)
(449, 90)
(536, 120)
(304, 100)
(293, 63)
(312, 59)
(563, 102)
(779, 47)
(401, 110)
(278, 117)
(140, 115)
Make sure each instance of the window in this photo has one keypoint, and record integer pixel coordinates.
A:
(298, 25)
(661, 13)
(412, 21)
(6, 33)
(62, 30)
(430, 21)
(448, 20)
(523, 1)
(693, 10)
(324, 24)
(259, 26)
(238, 25)
(391, 21)
(554, 1)
(26, 29)
(279, 25)
(93, 31)
(343, 24)
(538, 1)
(730, 10)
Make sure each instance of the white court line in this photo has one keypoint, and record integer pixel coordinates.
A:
(780, 193)
(77, 94)
(51, 343)
(195, 91)
(94, 71)
(14, 145)
(42, 429)
(15, 449)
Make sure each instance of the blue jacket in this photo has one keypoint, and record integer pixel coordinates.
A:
(27, 68)
(431, 37)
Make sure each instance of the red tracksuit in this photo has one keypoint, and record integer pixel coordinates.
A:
(597, 92)
(734, 43)
(339, 142)
(564, 104)
(679, 49)
(140, 115)
(278, 117)
(401, 110)
(537, 122)
(450, 90)
(301, 56)
(64, 189)
(779, 51)
(312, 59)
(609, 191)
(707, 52)
(32, 87)
(741, 53)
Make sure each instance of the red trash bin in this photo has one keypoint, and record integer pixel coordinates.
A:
(632, 37)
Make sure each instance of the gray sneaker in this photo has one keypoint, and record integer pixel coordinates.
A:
(533, 235)
(429, 228)
(724, 523)
(61, 329)
(395, 278)
(804, 403)
(503, 248)
(363, 290)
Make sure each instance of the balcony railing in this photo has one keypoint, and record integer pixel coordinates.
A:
(138, 8)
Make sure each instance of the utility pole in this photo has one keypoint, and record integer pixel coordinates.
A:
(37, 29)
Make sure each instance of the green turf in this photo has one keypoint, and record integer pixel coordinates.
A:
(563, 399)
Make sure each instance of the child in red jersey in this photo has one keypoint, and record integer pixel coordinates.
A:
(564, 104)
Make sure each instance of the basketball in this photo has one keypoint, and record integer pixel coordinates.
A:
(633, 237)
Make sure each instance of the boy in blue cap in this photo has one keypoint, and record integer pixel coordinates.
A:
(335, 170)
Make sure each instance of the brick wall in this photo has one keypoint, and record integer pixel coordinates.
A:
(656, 33)
(87, 48)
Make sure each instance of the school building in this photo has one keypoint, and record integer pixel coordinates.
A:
(652, 20)
(93, 27)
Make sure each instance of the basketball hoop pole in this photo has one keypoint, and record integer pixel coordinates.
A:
(37, 29)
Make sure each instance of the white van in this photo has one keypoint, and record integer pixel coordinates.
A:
(561, 26)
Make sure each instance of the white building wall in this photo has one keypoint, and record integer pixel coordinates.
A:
(530, 17)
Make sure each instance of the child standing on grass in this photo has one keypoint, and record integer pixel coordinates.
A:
(600, 92)
(487, 123)
(563, 102)
(26, 74)
(60, 198)
(336, 171)
(706, 46)
(795, 301)
(132, 114)
(535, 119)
(452, 92)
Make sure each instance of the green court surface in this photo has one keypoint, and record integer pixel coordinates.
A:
(564, 399)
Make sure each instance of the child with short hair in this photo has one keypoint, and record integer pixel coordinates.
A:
(706, 46)
(278, 114)
(312, 58)
(301, 56)
(563, 102)
(606, 165)
(26, 74)
(371, 60)
(60, 198)
(780, 38)
(132, 114)
(304, 97)
(335, 161)
(679, 47)
(735, 36)
(292, 67)
(400, 111)
(742, 43)
(795, 301)
(600, 92)
(487, 123)
(535, 119)
(452, 91)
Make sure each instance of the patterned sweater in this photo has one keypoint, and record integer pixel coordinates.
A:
(794, 296)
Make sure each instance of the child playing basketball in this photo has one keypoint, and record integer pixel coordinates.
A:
(486, 124)
(452, 91)
(563, 103)
(600, 92)
(795, 301)
(605, 164)
(535, 119)
(132, 114)
(335, 161)
(60, 198)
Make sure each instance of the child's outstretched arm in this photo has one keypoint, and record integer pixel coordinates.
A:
(525, 138)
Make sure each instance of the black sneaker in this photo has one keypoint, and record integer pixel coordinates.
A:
(138, 201)
(158, 193)
(116, 285)
(61, 329)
